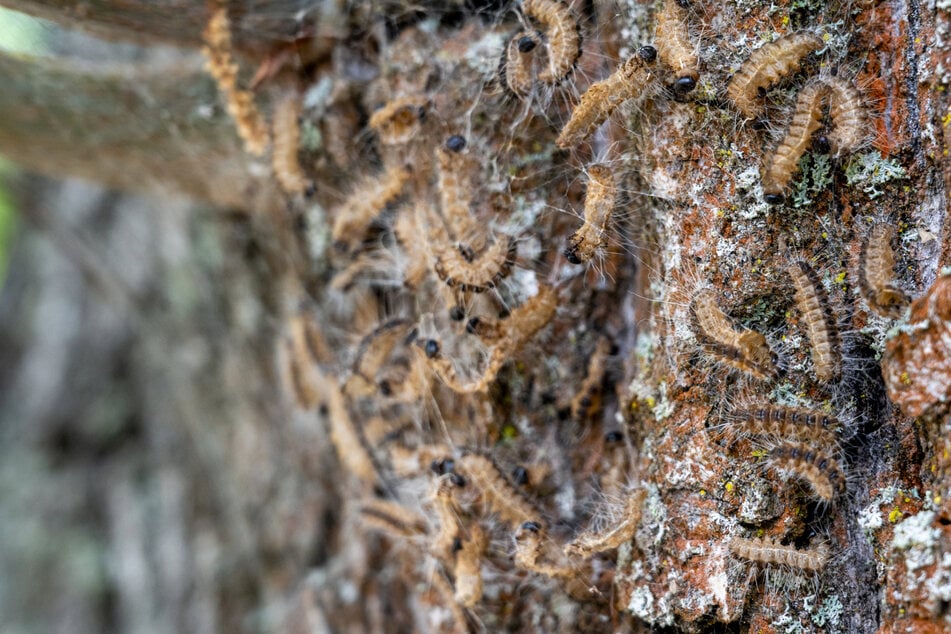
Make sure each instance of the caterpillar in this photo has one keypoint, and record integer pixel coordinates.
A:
(353, 218)
(794, 423)
(813, 302)
(455, 189)
(599, 204)
(347, 438)
(783, 163)
(285, 128)
(457, 267)
(769, 551)
(300, 359)
(521, 325)
(820, 470)
(468, 569)
(876, 273)
(447, 514)
(399, 120)
(564, 37)
(848, 117)
(374, 350)
(603, 98)
(674, 48)
(504, 498)
(616, 533)
(745, 350)
(765, 66)
(584, 400)
(220, 63)
(516, 71)
(393, 518)
(531, 553)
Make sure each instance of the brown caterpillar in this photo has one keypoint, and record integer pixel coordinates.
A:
(476, 273)
(599, 204)
(674, 47)
(455, 189)
(820, 470)
(745, 350)
(393, 518)
(521, 325)
(504, 497)
(345, 435)
(876, 273)
(531, 553)
(373, 352)
(616, 533)
(219, 60)
(794, 423)
(603, 97)
(783, 163)
(769, 551)
(516, 71)
(585, 398)
(447, 514)
(369, 199)
(304, 379)
(285, 128)
(848, 116)
(468, 570)
(813, 302)
(765, 66)
(399, 120)
(564, 37)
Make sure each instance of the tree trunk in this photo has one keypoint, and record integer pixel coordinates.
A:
(230, 419)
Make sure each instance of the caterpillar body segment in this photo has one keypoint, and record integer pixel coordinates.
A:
(821, 328)
(563, 33)
(771, 552)
(604, 97)
(471, 273)
(399, 120)
(767, 65)
(499, 493)
(285, 128)
(353, 218)
(674, 48)
(877, 272)
(789, 423)
(820, 470)
(849, 117)
(599, 204)
(783, 163)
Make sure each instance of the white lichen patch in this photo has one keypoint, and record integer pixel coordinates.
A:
(872, 518)
(917, 537)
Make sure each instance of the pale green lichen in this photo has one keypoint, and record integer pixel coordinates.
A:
(816, 177)
(828, 614)
(870, 170)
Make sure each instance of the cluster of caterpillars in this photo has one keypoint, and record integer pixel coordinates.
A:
(398, 411)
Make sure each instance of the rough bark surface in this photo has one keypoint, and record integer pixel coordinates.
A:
(250, 420)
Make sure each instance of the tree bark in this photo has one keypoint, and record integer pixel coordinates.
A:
(224, 496)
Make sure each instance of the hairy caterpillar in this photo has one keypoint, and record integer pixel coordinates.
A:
(813, 302)
(354, 217)
(583, 401)
(455, 190)
(779, 421)
(673, 46)
(745, 350)
(500, 494)
(848, 115)
(393, 518)
(603, 98)
(447, 514)
(876, 273)
(468, 570)
(767, 65)
(399, 120)
(346, 437)
(374, 350)
(531, 552)
(521, 325)
(783, 163)
(769, 551)
(615, 534)
(563, 33)
(515, 68)
(821, 471)
(285, 128)
(599, 204)
(223, 68)
(476, 273)
(300, 356)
